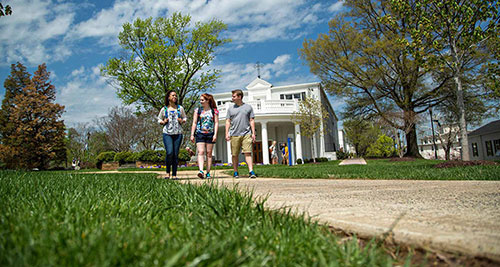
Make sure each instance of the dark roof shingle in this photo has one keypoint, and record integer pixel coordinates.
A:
(491, 127)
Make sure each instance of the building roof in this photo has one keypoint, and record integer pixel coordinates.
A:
(491, 127)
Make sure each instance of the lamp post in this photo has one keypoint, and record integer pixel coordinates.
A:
(433, 136)
(87, 145)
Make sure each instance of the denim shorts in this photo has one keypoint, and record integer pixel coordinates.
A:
(204, 138)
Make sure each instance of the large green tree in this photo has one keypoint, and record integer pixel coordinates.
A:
(35, 134)
(459, 32)
(165, 54)
(361, 134)
(362, 58)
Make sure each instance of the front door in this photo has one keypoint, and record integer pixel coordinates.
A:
(257, 152)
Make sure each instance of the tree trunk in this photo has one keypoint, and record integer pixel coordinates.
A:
(447, 152)
(412, 145)
(312, 147)
(464, 142)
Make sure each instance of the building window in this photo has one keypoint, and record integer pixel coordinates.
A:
(299, 96)
(475, 152)
(489, 148)
(496, 145)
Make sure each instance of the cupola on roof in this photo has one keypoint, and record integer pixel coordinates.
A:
(258, 84)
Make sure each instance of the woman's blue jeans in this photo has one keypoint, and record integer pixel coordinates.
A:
(172, 144)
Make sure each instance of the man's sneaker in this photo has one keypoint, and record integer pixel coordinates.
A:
(201, 175)
(208, 175)
(235, 175)
(253, 175)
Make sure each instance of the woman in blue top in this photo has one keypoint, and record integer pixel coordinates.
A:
(172, 116)
(205, 123)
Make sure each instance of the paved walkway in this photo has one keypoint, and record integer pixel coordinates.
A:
(454, 216)
(356, 161)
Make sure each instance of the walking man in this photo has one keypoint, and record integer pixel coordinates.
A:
(240, 130)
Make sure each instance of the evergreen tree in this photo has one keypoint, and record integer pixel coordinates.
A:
(14, 84)
(35, 133)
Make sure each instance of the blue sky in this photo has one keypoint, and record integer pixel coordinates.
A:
(75, 37)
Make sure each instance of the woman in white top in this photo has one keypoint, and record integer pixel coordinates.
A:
(274, 153)
(172, 116)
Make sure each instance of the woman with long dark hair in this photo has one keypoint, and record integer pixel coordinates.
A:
(204, 131)
(172, 116)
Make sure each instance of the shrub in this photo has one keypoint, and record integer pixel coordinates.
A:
(342, 155)
(155, 156)
(132, 157)
(317, 160)
(123, 157)
(383, 147)
(107, 156)
(299, 161)
(184, 155)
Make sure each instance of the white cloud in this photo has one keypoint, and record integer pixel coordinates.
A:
(240, 75)
(78, 72)
(86, 96)
(281, 60)
(46, 28)
(337, 6)
(27, 32)
(249, 20)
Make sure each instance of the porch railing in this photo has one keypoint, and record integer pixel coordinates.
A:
(264, 107)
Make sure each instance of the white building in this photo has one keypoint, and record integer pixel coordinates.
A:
(443, 136)
(484, 142)
(343, 144)
(273, 108)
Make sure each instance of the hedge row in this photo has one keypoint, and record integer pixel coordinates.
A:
(145, 155)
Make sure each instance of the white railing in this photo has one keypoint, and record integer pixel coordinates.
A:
(265, 107)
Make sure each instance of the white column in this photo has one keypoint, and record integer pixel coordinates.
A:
(228, 151)
(315, 147)
(321, 141)
(298, 142)
(265, 148)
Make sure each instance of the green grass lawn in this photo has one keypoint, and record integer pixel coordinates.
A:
(71, 219)
(380, 169)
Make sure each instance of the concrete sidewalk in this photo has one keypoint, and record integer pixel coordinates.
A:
(356, 161)
(451, 216)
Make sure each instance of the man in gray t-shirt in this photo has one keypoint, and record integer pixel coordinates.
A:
(240, 130)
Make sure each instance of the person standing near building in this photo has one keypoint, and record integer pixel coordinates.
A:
(240, 130)
(284, 152)
(172, 116)
(204, 131)
(274, 153)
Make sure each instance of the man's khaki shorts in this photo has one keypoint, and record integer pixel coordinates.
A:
(244, 142)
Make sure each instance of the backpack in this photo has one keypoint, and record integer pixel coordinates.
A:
(178, 111)
(199, 113)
